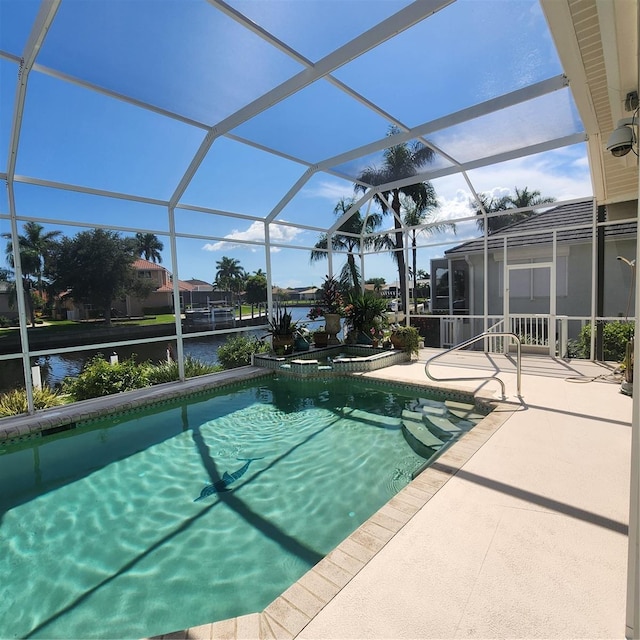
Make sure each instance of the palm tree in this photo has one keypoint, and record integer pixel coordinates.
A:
(523, 198)
(400, 161)
(350, 275)
(34, 247)
(414, 216)
(230, 276)
(149, 247)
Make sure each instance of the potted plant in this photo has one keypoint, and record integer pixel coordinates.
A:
(282, 329)
(320, 336)
(302, 339)
(332, 308)
(406, 338)
(366, 317)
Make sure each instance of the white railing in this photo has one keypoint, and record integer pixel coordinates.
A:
(534, 331)
(466, 343)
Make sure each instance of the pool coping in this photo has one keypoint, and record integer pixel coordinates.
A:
(364, 359)
(286, 616)
(65, 417)
(289, 613)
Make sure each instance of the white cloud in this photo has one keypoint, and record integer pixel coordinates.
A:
(255, 233)
(562, 174)
(329, 190)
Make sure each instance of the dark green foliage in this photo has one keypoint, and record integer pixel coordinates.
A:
(4, 322)
(97, 266)
(256, 288)
(523, 198)
(237, 351)
(366, 311)
(614, 335)
(100, 378)
(409, 337)
(168, 371)
(14, 402)
(149, 247)
(281, 324)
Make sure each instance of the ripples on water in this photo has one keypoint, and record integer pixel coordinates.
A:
(104, 519)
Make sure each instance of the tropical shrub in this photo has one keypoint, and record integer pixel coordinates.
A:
(14, 402)
(331, 300)
(406, 338)
(237, 351)
(614, 336)
(168, 371)
(366, 311)
(100, 378)
(281, 324)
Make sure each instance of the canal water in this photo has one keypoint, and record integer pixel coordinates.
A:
(54, 368)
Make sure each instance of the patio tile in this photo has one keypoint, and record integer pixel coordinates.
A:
(289, 617)
(202, 632)
(303, 599)
(333, 572)
(224, 630)
(319, 586)
(346, 562)
(247, 627)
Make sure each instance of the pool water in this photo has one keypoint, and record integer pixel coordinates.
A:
(103, 536)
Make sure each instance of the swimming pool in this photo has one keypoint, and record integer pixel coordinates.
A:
(104, 535)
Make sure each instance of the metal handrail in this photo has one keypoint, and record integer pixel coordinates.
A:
(466, 343)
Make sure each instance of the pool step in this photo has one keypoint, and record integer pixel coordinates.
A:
(464, 410)
(412, 415)
(444, 424)
(372, 418)
(417, 434)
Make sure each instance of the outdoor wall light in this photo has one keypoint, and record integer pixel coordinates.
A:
(623, 138)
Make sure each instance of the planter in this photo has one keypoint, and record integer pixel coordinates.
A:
(332, 326)
(406, 339)
(321, 338)
(301, 344)
(282, 344)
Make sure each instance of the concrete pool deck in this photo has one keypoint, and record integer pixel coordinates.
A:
(518, 532)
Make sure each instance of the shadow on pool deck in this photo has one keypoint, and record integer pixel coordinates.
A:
(519, 530)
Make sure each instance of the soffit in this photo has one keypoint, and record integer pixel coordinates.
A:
(597, 43)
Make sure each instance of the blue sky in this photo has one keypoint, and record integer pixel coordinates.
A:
(189, 59)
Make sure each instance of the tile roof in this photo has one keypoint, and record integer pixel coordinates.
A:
(562, 218)
(141, 263)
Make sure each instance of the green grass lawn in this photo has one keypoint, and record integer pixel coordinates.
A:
(60, 326)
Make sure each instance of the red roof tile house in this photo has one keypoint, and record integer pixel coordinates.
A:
(158, 301)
